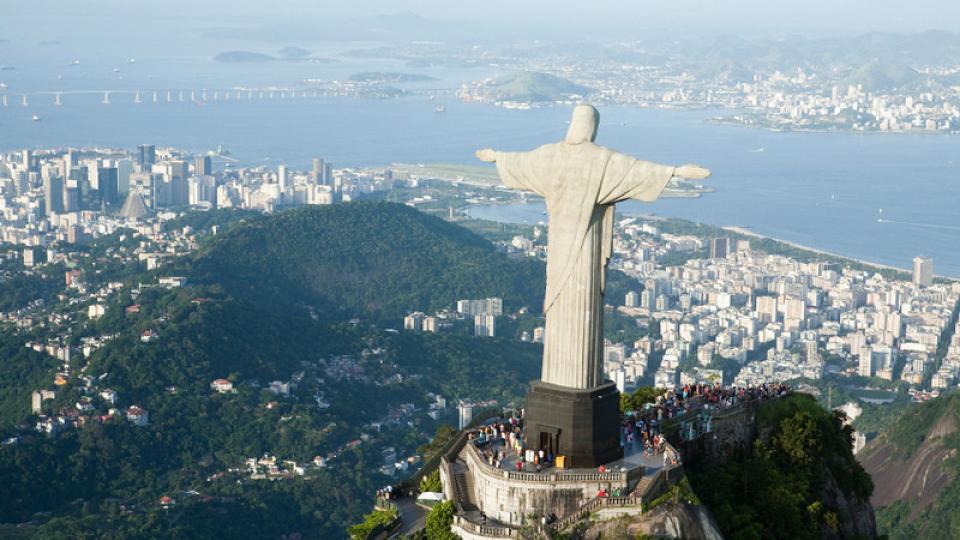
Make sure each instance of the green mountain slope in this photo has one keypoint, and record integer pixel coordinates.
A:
(879, 76)
(243, 317)
(914, 464)
(374, 260)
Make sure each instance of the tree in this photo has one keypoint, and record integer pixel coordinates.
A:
(640, 397)
(800, 438)
(439, 521)
(431, 482)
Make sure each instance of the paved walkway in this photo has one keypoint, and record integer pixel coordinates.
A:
(413, 516)
(633, 457)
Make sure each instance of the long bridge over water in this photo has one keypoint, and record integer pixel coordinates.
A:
(180, 95)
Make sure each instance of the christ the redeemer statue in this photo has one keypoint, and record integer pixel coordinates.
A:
(580, 181)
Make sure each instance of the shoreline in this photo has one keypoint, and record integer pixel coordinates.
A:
(747, 232)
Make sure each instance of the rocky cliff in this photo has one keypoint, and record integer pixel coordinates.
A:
(918, 477)
(681, 520)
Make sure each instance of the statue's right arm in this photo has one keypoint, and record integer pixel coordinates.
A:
(692, 172)
(516, 169)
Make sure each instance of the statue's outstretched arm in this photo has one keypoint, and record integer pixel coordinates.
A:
(518, 170)
(692, 172)
(629, 178)
(488, 155)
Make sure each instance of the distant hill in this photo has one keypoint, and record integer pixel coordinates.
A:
(877, 75)
(245, 57)
(372, 260)
(535, 87)
(913, 463)
(389, 77)
(293, 52)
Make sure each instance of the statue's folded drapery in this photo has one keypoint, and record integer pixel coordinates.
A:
(580, 183)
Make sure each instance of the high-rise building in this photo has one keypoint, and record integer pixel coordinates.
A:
(75, 234)
(465, 413)
(794, 308)
(27, 160)
(52, 193)
(719, 248)
(485, 306)
(177, 172)
(767, 309)
(109, 185)
(632, 299)
(283, 177)
(316, 175)
(414, 321)
(71, 196)
(484, 325)
(203, 166)
(146, 156)
(124, 170)
(202, 189)
(327, 179)
(69, 161)
(923, 271)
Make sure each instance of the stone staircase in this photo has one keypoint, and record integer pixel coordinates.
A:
(645, 483)
(463, 487)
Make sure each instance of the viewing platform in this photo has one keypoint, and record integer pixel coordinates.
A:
(495, 498)
(495, 502)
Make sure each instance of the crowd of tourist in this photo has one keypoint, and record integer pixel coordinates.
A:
(501, 442)
(388, 493)
(500, 439)
(643, 426)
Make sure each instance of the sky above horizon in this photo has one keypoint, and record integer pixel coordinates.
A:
(675, 17)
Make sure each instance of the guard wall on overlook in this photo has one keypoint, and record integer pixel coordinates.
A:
(731, 431)
(509, 496)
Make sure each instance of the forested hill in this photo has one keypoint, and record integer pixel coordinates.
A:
(375, 260)
(798, 479)
(305, 388)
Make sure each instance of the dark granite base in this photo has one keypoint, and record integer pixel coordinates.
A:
(583, 426)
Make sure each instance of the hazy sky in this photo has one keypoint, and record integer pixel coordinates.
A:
(622, 17)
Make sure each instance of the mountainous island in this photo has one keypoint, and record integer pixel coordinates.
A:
(533, 86)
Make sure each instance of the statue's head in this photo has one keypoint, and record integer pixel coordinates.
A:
(583, 125)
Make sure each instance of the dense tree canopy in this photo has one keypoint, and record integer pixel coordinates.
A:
(776, 490)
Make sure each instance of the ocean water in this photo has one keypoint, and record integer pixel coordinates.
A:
(824, 190)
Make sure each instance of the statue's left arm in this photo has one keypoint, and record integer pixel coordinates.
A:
(629, 178)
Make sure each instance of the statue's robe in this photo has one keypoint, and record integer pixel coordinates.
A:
(580, 183)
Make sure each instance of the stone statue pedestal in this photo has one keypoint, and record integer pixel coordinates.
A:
(582, 425)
